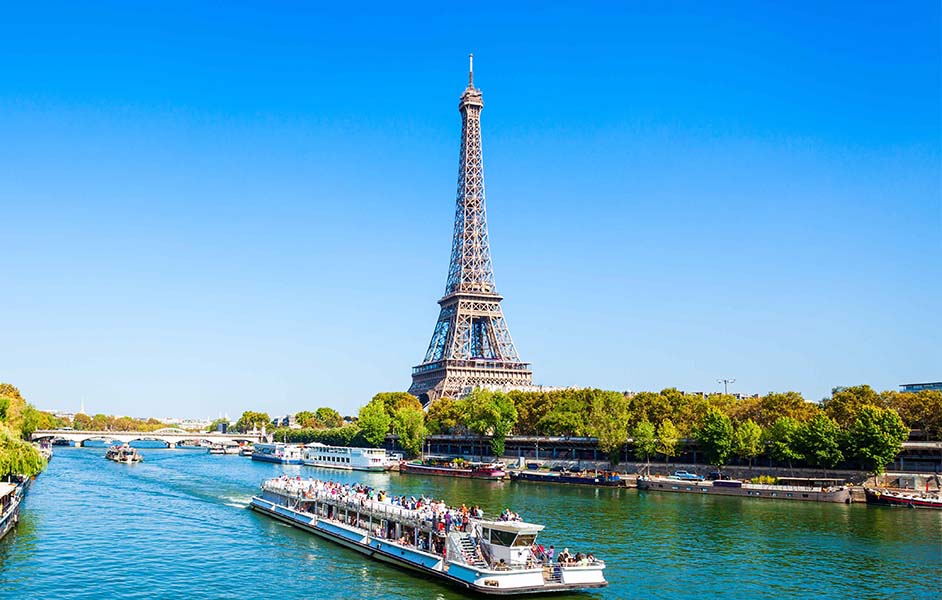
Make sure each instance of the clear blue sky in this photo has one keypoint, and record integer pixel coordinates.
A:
(241, 206)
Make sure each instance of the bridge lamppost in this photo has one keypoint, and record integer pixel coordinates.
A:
(725, 383)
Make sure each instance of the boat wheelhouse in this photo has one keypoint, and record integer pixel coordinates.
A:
(277, 452)
(484, 555)
(454, 467)
(345, 457)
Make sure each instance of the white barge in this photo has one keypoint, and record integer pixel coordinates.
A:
(348, 458)
(493, 557)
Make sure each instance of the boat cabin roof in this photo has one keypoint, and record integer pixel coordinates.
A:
(6, 489)
(810, 481)
(512, 526)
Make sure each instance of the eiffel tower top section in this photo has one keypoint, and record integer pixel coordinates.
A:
(470, 270)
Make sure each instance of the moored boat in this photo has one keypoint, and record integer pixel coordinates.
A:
(224, 448)
(479, 554)
(786, 488)
(593, 478)
(346, 457)
(10, 496)
(881, 497)
(246, 450)
(456, 467)
(277, 452)
(123, 454)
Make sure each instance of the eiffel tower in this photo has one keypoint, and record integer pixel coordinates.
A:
(471, 345)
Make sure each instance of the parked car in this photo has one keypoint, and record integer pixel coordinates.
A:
(717, 476)
(686, 476)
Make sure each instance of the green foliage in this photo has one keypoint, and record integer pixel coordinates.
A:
(490, 413)
(306, 419)
(781, 440)
(348, 435)
(374, 421)
(765, 479)
(18, 457)
(249, 420)
(876, 436)
(715, 436)
(214, 426)
(329, 417)
(845, 403)
(568, 415)
(645, 440)
(393, 401)
(819, 441)
(765, 410)
(608, 421)
(747, 440)
(409, 425)
(668, 439)
(444, 416)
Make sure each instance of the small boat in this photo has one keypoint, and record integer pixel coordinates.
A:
(346, 457)
(277, 452)
(44, 448)
(881, 497)
(593, 478)
(486, 556)
(123, 454)
(221, 448)
(246, 450)
(454, 467)
(10, 496)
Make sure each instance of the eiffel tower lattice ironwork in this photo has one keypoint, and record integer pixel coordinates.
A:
(471, 345)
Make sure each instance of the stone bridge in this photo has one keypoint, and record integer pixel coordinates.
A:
(169, 435)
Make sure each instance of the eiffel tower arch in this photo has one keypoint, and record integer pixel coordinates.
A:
(471, 344)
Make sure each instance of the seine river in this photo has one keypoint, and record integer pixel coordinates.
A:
(177, 526)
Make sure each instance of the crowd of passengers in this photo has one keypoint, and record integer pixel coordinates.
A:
(436, 513)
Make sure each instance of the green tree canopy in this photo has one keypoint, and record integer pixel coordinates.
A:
(844, 403)
(330, 418)
(608, 421)
(490, 413)
(668, 439)
(374, 422)
(819, 441)
(781, 440)
(249, 420)
(18, 457)
(747, 440)
(444, 416)
(715, 436)
(645, 441)
(409, 425)
(307, 419)
(876, 436)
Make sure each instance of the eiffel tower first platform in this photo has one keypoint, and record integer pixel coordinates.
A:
(471, 345)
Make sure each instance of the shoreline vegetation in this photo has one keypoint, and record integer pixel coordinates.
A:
(856, 427)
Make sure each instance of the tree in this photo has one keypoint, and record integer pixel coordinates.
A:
(409, 425)
(780, 438)
(819, 441)
(330, 418)
(747, 440)
(644, 440)
(393, 401)
(214, 426)
(668, 439)
(82, 422)
(250, 420)
(443, 416)
(844, 403)
(306, 419)
(374, 422)
(490, 413)
(18, 457)
(569, 415)
(608, 422)
(531, 407)
(876, 436)
(715, 436)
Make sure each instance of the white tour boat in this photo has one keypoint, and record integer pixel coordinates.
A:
(277, 452)
(345, 457)
(487, 556)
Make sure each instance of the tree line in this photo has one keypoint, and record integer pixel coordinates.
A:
(18, 419)
(854, 423)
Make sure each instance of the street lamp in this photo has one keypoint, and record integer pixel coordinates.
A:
(726, 383)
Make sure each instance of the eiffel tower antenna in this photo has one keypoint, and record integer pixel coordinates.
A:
(471, 345)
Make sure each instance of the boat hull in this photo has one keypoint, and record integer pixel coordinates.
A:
(408, 558)
(566, 479)
(11, 517)
(446, 472)
(769, 492)
(878, 498)
(277, 460)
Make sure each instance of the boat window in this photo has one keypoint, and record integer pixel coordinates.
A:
(502, 538)
(525, 539)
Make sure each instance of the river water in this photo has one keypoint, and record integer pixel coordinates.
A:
(177, 526)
